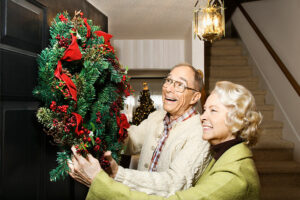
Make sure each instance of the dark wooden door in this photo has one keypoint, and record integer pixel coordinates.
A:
(26, 156)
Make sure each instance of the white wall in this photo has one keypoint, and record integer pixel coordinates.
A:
(188, 46)
(150, 54)
(278, 20)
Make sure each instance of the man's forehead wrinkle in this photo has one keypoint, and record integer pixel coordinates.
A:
(184, 79)
(181, 78)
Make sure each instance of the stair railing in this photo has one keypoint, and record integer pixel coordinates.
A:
(280, 64)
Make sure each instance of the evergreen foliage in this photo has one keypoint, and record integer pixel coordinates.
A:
(145, 108)
(82, 85)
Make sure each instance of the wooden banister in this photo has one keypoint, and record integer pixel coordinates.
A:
(283, 68)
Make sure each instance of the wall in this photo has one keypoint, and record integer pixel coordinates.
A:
(150, 54)
(278, 21)
(160, 54)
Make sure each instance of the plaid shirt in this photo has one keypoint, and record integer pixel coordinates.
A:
(168, 124)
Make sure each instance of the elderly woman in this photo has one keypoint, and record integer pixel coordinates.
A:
(230, 123)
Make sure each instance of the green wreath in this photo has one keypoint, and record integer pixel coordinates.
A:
(82, 86)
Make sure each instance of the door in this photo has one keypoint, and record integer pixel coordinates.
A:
(26, 155)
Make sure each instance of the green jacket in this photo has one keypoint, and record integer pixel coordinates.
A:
(232, 177)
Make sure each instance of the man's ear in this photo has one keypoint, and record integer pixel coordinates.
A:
(196, 97)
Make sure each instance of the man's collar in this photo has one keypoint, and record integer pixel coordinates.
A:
(181, 118)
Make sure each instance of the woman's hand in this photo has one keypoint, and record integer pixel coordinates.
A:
(83, 170)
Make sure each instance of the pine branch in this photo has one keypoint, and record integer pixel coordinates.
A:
(61, 171)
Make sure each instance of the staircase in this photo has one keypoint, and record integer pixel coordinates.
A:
(279, 173)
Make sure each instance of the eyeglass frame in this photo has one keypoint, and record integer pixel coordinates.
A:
(173, 83)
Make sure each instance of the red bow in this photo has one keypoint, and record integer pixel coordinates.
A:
(106, 37)
(122, 123)
(61, 76)
(88, 33)
(78, 123)
(73, 51)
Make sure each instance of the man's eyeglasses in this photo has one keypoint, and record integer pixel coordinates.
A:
(178, 86)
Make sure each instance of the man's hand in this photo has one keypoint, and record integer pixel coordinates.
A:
(84, 170)
(113, 169)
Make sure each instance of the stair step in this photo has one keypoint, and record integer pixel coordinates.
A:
(270, 167)
(267, 149)
(271, 128)
(229, 71)
(266, 111)
(225, 42)
(225, 51)
(271, 124)
(280, 193)
(267, 154)
(279, 173)
(250, 83)
(259, 96)
(274, 142)
(227, 60)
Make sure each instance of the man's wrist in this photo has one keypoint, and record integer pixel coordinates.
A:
(120, 175)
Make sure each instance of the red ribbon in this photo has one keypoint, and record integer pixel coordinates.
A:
(106, 36)
(61, 76)
(78, 123)
(72, 52)
(122, 123)
(88, 33)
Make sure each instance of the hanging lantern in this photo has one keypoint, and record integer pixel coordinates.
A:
(209, 22)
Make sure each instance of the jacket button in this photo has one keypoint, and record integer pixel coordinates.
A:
(146, 165)
(153, 148)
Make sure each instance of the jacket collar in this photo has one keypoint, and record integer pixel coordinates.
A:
(236, 152)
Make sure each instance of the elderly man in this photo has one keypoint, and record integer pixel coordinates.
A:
(172, 152)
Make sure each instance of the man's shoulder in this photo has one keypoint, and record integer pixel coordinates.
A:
(157, 115)
(193, 122)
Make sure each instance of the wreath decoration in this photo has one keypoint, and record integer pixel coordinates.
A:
(82, 85)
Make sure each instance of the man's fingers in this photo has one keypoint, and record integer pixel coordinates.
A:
(107, 155)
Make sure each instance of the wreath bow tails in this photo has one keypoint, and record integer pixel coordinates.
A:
(87, 72)
(123, 126)
(106, 37)
(88, 28)
(67, 80)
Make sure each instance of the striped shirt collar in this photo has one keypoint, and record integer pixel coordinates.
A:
(170, 123)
